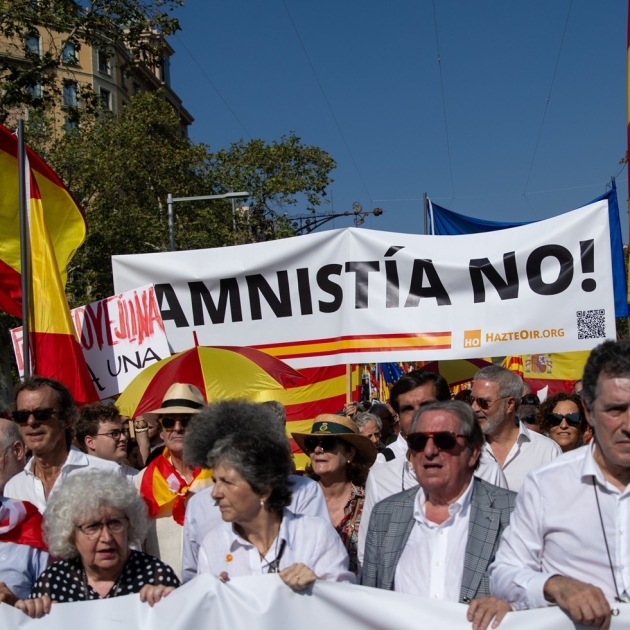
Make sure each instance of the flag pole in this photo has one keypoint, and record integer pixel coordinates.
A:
(425, 207)
(24, 251)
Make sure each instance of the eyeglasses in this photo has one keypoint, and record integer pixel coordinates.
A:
(41, 414)
(93, 530)
(555, 419)
(530, 419)
(443, 440)
(168, 422)
(327, 443)
(115, 434)
(484, 403)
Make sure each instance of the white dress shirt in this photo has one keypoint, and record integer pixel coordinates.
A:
(25, 486)
(398, 475)
(432, 562)
(528, 452)
(399, 448)
(203, 514)
(556, 529)
(308, 539)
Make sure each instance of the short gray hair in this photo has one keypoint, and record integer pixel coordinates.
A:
(80, 497)
(264, 463)
(509, 382)
(469, 426)
(9, 434)
(361, 419)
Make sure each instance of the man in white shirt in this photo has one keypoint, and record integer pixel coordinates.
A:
(100, 434)
(495, 397)
(569, 539)
(437, 539)
(409, 393)
(214, 423)
(46, 415)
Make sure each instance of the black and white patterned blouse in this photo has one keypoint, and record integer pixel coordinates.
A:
(64, 581)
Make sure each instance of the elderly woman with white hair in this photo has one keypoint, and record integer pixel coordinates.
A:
(91, 522)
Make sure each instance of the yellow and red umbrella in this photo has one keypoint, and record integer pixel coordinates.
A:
(456, 371)
(220, 372)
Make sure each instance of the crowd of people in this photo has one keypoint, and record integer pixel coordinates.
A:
(492, 499)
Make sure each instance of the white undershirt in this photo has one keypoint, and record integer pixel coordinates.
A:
(432, 562)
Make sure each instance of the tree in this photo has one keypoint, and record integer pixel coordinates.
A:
(28, 74)
(275, 174)
(121, 170)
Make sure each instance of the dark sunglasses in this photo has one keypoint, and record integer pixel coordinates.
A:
(484, 403)
(443, 440)
(530, 419)
(168, 422)
(555, 419)
(40, 414)
(328, 443)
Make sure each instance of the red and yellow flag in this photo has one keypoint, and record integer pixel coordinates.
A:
(514, 363)
(56, 229)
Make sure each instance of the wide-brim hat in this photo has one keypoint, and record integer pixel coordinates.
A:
(180, 398)
(343, 428)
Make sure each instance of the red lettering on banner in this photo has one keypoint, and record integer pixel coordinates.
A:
(154, 313)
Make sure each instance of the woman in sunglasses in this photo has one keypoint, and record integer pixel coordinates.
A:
(340, 461)
(259, 535)
(91, 523)
(562, 419)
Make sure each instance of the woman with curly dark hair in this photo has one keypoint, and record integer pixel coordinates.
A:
(259, 534)
(562, 419)
(340, 461)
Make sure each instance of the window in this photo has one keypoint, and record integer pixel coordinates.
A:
(70, 54)
(106, 98)
(70, 93)
(166, 71)
(32, 43)
(70, 124)
(103, 61)
(35, 90)
(123, 80)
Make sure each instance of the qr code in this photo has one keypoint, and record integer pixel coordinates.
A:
(591, 324)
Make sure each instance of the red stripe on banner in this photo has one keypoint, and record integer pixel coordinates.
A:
(10, 290)
(350, 337)
(322, 353)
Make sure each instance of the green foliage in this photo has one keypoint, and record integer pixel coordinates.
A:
(129, 25)
(121, 170)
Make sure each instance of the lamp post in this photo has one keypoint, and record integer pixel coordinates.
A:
(170, 200)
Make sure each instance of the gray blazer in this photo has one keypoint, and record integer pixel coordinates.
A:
(392, 521)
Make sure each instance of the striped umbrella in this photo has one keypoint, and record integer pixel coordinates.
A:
(220, 372)
(457, 370)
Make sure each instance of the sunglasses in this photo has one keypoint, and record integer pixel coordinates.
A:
(168, 422)
(443, 440)
(555, 419)
(40, 414)
(327, 443)
(484, 403)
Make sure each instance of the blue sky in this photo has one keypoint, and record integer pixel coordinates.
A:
(378, 65)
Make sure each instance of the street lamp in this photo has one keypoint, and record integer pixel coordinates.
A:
(170, 200)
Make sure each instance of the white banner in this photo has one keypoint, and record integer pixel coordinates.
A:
(354, 295)
(119, 336)
(265, 602)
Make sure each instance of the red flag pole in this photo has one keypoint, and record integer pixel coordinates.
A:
(24, 250)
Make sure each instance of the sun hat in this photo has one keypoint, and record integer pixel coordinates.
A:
(343, 428)
(180, 398)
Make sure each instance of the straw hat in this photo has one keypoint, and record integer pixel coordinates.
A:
(345, 429)
(180, 398)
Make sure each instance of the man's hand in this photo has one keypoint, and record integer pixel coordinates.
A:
(350, 409)
(583, 602)
(6, 595)
(35, 608)
(483, 610)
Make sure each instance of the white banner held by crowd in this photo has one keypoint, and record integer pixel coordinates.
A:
(119, 336)
(355, 295)
(265, 602)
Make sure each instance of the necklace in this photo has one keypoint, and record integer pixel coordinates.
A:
(114, 591)
(272, 567)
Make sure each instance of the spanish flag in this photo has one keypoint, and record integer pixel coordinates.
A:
(56, 228)
(514, 363)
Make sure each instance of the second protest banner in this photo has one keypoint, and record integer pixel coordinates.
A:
(354, 295)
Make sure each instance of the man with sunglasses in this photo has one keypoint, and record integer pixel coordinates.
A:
(569, 539)
(167, 482)
(438, 538)
(46, 415)
(495, 397)
(100, 433)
